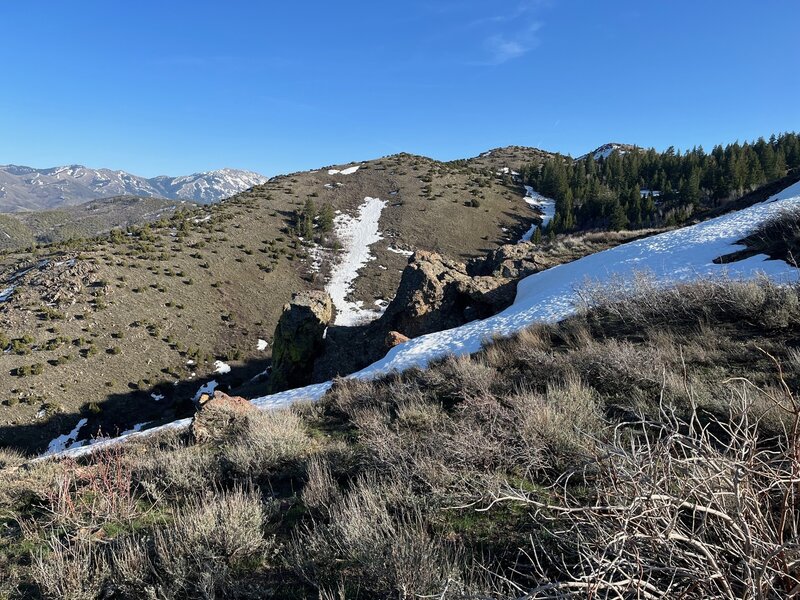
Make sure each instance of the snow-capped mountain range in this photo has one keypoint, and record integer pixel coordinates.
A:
(26, 188)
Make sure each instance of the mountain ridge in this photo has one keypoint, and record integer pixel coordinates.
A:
(24, 188)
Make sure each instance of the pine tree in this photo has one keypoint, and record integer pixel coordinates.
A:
(618, 220)
(325, 219)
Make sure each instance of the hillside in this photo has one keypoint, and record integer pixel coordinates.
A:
(607, 405)
(24, 229)
(105, 327)
(25, 188)
(511, 473)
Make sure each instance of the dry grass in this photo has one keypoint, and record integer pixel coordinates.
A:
(70, 571)
(209, 540)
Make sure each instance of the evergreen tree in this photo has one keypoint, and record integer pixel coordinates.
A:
(618, 221)
(325, 219)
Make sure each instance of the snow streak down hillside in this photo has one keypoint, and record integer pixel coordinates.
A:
(546, 206)
(677, 256)
(357, 234)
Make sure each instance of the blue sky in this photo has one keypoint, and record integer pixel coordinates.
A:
(174, 87)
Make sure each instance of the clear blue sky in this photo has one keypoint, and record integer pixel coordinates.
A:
(173, 87)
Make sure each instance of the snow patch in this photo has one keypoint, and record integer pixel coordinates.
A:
(136, 428)
(357, 234)
(347, 171)
(7, 293)
(400, 251)
(66, 440)
(545, 206)
(262, 345)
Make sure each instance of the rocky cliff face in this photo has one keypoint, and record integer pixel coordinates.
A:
(299, 339)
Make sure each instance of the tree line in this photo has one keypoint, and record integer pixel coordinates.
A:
(637, 188)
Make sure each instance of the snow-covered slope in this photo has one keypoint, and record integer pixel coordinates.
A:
(25, 188)
(607, 150)
(677, 256)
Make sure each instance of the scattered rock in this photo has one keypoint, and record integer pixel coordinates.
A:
(395, 338)
(299, 338)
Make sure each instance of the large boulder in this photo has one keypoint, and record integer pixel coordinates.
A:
(299, 338)
(220, 417)
(437, 293)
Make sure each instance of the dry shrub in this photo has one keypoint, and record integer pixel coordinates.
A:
(177, 472)
(271, 440)
(678, 508)
(779, 236)
(211, 539)
(131, 564)
(374, 543)
(347, 395)
(321, 490)
(617, 368)
(458, 378)
(647, 303)
(101, 491)
(10, 459)
(70, 571)
(561, 423)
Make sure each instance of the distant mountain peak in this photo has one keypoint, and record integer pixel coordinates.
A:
(28, 188)
(608, 149)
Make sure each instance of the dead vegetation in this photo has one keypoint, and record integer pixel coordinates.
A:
(646, 448)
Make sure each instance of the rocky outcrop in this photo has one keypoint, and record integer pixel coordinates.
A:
(299, 338)
(219, 417)
(437, 293)
(512, 261)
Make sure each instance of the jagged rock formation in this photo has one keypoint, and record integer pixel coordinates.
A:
(299, 338)
(437, 293)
